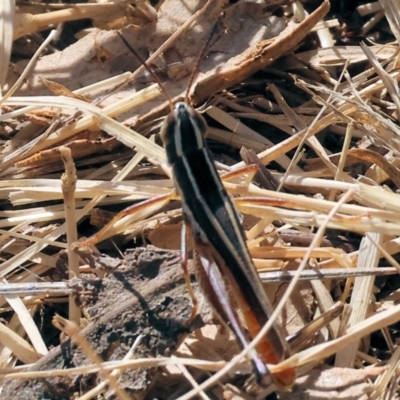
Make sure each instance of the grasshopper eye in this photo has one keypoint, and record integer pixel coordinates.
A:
(168, 129)
(198, 120)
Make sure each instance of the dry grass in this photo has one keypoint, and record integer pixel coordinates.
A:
(323, 118)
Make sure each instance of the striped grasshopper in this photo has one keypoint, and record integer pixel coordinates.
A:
(224, 268)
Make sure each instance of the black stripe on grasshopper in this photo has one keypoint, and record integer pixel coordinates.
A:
(218, 235)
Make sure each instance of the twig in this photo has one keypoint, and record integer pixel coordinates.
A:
(68, 180)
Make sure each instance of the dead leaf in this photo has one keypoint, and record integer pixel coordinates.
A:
(80, 148)
(61, 90)
(166, 236)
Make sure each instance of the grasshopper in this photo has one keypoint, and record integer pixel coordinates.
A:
(223, 265)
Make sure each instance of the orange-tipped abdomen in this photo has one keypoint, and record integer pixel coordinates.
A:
(265, 349)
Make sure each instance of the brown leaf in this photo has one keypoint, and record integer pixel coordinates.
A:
(166, 236)
(61, 90)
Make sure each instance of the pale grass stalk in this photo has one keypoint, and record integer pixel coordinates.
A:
(362, 292)
(7, 358)
(389, 342)
(369, 8)
(340, 55)
(377, 196)
(28, 68)
(347, 290)
(68, 184)
(8, 362)
(7, 11)
(330, 273)
(14, 262)
(300, 125)
(261, 264)
(5, 235)
(30, 238)
(392, 13)
(235, 140)
(361, 224)
(121, 188)
(129, 137)
(285, 298)
(16, 368)
(101, 85)
(97, 116)
(236, 126)
(44, 289)
(324, 35)
(286, 145)
(34, 217)
(343, 156)
(147, 9)
(303, 181)
(385, 254)
(325, 302)
(387, 248)
(122, 364)
(27, 322)
(381, 129)
(26, 23)
(307, 133)
(390, 84)
(369, 359)
(277, 252)
(35, 271)
(190, 379)
(372, 22)
(323, 350)
(72, 330)
(324, 206)
(41, 263)
(19, 347)
(332, 23)
(32, 190)
(256, 230)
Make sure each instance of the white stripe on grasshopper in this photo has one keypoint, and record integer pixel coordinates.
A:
(228, 207)
(178, 131)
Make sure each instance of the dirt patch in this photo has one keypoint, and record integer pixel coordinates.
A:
(145, 295)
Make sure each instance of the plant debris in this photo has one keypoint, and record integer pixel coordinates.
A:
(303, 94)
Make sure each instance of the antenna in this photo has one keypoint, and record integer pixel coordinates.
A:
(149, 70)
(195, 70)
(200, 57)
